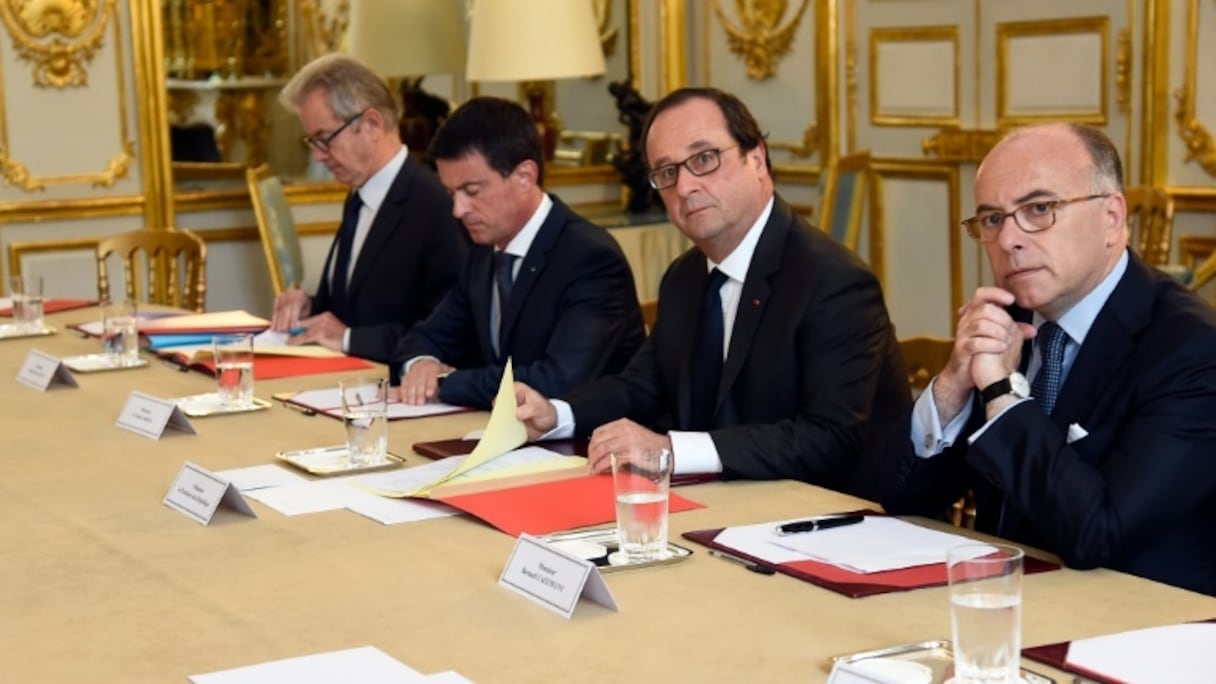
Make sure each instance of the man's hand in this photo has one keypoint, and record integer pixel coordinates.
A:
(534, 411)
(290, 306)
(987, 347)
(421, 383)
(623, 437)
(325, 329)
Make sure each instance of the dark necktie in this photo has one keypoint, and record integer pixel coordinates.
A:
(504, 278)
(346, 239)
(1051, 341)
(707, 359)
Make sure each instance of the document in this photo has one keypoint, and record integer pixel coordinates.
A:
(216, 321)
(329, 402)
(396, 511)
(878, 544)
(1175, 654)
(268, 343)
(423, 480)
(316, 496)
(260, 477)
(366, 665)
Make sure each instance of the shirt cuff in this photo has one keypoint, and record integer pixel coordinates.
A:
(694, 452)
(565, 421)
(929, 438)
(984, 428)
(410, 364)
(346, 341)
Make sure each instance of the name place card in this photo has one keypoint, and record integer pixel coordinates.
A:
(147, 415)
(552, 578)
(196, 493)
(40, 370)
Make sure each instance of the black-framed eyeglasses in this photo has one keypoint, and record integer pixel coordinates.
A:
(321, 142)
(699, 164)
(1032, 217)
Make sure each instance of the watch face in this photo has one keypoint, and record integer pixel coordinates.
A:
(1019, 386)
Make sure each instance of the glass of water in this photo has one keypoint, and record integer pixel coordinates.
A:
(120, 333)
(640, 481)
(365, 413)
(26, 292)
(234, 369)
(986, 612)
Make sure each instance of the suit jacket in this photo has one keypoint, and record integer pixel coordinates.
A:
(572, 316)
(1138, 493)
(813, 376)
(412, 255)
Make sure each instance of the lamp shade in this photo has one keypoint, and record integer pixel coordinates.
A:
(533, 40)
(408, 37)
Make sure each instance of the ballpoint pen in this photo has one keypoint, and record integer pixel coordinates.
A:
(811, 525)
(754, 567)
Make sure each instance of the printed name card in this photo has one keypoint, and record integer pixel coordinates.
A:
(147, 415)
(552, 578)
(41, 370)
(196, 493)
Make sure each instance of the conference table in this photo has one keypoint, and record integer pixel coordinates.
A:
(100, 582)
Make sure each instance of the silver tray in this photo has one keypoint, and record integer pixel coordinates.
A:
(609, 540)
(203, 405)
(12, 331)
(937, 655)
(332, 460)
(96, 363)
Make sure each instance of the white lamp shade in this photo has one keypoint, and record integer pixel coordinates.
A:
(533, 40)
(408, 37)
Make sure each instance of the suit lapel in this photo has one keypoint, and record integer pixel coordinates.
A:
(480, 292)
(388, 218)
(531, 268)
(691, 313)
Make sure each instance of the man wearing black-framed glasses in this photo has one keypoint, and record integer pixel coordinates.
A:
(1078, 402)
(397, 250)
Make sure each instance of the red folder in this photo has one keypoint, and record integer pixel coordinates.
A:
(550, 507)
(55, 305)
(269, 366)
(857, 584)
(1056, 655)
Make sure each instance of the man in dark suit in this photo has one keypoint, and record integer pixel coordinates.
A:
(542, 287)
(1109, 456)
(772, 355)
(398, 250)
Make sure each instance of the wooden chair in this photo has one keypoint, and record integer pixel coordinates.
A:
(173, 265)
(277, 228)
(650, 311)
(1150, 218)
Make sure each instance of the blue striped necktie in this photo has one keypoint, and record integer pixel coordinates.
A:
(1051, 341)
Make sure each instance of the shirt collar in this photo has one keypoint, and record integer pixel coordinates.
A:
(736, 263)
(1080, 318)
(522, 241)
(376, 188)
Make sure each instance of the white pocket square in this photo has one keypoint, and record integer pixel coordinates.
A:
(1076, 433)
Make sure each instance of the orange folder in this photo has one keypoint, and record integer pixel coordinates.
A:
(55, 305)
(269, 367)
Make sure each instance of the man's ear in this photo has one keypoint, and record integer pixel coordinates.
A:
(525, 173)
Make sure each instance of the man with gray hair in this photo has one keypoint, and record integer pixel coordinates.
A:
(398, 249)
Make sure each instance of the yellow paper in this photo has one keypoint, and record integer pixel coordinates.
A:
(218, 321)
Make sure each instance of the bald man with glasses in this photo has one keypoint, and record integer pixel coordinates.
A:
(772, 356)
(1079, 403)
(398, 250)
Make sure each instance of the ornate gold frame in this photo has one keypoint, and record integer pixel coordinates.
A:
(919, 34)
(759, 42)
(1200, 145)
(1051, 27)
(59, 59)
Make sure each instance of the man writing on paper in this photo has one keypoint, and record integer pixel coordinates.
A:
(1108, 455)
(397, 251)
(542, 287)
(772, 355)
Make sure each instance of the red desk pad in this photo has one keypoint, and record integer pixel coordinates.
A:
(55, 305)
(270, 367)
(549, 507)
(857, 584)
(1056, 655)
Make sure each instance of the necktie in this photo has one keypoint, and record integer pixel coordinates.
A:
(504, 278)
(707, 359)
(1051, 341)
(346, 238)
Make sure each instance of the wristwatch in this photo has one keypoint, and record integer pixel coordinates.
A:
(1015, 384)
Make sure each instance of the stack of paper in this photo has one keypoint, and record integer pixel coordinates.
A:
(366, 665)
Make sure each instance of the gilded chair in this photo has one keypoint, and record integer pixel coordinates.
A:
(650, 311)
(1150, 218)
(160, 266)
(845, 188)
(277, 228)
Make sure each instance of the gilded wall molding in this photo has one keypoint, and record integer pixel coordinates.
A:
(961, 145)
(603, 22)
(803, 149)
(59, 38)
(1200, 145)
(1006, 32)
(1123, 72)
(917, 34)
(850, 75)
(758, 38)
(16, 172)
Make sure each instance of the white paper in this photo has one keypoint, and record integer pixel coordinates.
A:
(366, 665)
(394, 511)
(408, 479)
(449, 677)
(1175, 654)
(329, 402)
(317, 496)
(260, 477)
(879, 543)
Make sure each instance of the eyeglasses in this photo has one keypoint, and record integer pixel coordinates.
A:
(1032, 217)
(699, 164)
(322, 142)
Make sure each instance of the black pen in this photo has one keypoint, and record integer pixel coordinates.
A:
(285, 400)
(818, 524)
(754, 567)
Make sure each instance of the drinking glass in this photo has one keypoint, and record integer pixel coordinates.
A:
(986, 612)
(365, 413)
(26, 292)
(234, 369)
(640, 481)
(120, 334)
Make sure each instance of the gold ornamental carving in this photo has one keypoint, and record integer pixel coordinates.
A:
(804, 148)
(960, 145)
(59, 37)
(603, 21)
(1200, 145)
(759, 38)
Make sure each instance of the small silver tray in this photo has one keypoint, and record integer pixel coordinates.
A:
(609, 540)
(97, 363)
(12, 331)
(937, 655)
(332, 460)
(203, 405)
